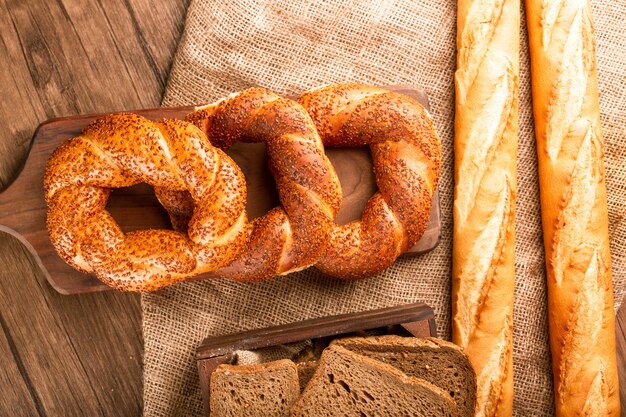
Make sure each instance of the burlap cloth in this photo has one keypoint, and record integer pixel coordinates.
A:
(289, 46)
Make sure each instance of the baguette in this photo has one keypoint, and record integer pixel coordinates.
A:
(574, 207)
(485, 146)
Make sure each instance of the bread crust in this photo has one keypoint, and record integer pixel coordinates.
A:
(485, 146)
(324, 367)
(295, 234)
(406, 155)
(120, 150)
(292, 386)
(398, 351)
(570, 149)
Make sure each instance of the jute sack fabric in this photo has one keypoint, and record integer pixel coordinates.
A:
(290, 46)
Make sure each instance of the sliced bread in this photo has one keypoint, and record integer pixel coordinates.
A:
(305, 372)
(348, 384)
(265, 390)
(439, 362)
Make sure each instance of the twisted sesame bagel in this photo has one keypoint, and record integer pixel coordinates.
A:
(406, 155)
(121, 150)
(294, 235)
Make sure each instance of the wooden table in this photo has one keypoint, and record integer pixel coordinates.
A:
(80, 355)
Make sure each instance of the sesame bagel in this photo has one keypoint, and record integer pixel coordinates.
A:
(295, 234)
(406, 154)
(120, 150)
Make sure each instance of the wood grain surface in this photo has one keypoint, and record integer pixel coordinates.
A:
(59, 355)
(81, 355)
(23, 208)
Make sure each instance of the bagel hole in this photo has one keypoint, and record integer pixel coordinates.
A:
(261, 187)
(137, 208)
(358, 183)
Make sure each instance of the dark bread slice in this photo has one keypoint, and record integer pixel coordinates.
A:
(268, 389)
(347, 384)
(439, 362)
(305, 372)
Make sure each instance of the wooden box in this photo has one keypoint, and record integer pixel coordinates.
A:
(410, 320)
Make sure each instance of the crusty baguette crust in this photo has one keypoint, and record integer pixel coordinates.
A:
(574, 207)
(485, 148)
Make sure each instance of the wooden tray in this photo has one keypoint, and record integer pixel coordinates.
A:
(23, 209)
(410, 320)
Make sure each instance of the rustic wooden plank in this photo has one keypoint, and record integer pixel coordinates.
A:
(78, 355)
(156, 44)
(109, 346)
(18, 395)
(70, 57)
(313, 328)
(20, 110)
(47, 353)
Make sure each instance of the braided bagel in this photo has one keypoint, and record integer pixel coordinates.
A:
(406, 154)
(292, 236)
(121, 150)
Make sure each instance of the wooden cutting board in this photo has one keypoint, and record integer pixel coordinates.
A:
(23, 208)
(416, 320)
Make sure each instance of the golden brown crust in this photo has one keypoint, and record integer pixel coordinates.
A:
(120, 150)
(483, 276)
(574, 207)
(294, 235)
(406, 154)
